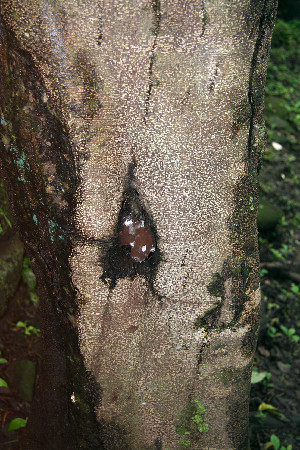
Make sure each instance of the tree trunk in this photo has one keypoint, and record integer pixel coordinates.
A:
(131, 138)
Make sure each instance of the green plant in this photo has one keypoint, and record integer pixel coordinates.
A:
(295, 289)
(28, 329)
(276, 445)
(267, 380)
(2, 360)
(272, 331)
(264, 376)
(282, 253)
(290, 333)
(17, 423)
(266, 408)
(271, 305)
(3, 383)
(263, 272)
(257, 376)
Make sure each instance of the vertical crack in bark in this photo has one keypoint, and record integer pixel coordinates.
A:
(100, 26)
(205, 344)
(100, 33)
(252, 75)
(157, 16)
(205, 17)
(259, 42)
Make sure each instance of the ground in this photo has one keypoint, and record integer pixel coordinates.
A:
(19, 346)
(277, 360)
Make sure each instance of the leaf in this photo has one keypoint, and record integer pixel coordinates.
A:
(295, 289)
(283, 367)
(257, 377)
(284, 329)
(266, 407)
(263, 351)
(3, 383)
(17, 423)
(275, 441)
(3, 361)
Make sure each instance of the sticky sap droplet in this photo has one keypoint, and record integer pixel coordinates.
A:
(138, 237)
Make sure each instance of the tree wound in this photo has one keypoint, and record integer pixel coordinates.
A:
(133, 249)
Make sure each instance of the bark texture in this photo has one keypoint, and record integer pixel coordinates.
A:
(147, 115)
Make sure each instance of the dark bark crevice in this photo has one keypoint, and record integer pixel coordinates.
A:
(257, 78)
(157, 18)
(205, 17)
(100, 26)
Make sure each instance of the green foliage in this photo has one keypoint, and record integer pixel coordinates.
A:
(290, 333)
(265, 408)
(3, 360)
(17, 423)
(3, 383)
(295, 289)
(282, 253)
(283, 79)
(282, 101)
(276, 445)
(279, 244)
(28, 329)
(257, 376)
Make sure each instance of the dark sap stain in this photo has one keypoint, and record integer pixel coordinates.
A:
(133, 248)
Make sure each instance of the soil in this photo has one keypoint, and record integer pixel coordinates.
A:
(278, 354)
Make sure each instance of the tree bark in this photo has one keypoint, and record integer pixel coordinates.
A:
(131, 138)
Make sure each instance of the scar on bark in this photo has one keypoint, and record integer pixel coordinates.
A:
(133, 248)
(211, 85)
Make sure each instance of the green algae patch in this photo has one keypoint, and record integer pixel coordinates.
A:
(216, 286)
(201, 321)
(191, 423)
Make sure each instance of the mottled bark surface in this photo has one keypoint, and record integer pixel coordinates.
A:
(146, 119)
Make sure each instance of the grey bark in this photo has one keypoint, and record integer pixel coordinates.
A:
(150, 112)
